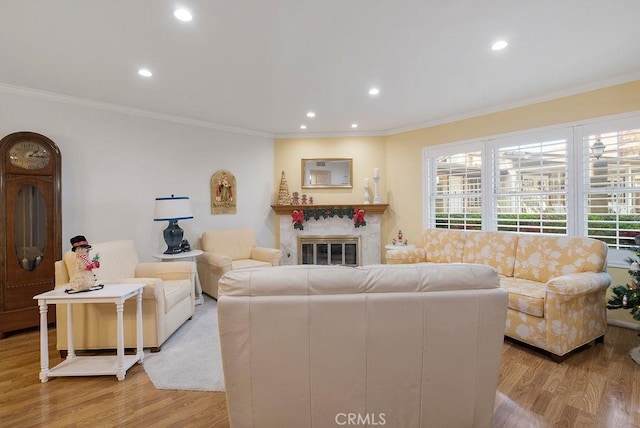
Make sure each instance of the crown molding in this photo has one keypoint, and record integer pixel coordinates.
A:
(115, 108)
(284, 136)
(575, 90)
(98, 105)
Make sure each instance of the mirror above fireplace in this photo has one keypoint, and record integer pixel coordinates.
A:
(327, 173)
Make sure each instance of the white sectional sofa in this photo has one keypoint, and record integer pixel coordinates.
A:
(317, 346)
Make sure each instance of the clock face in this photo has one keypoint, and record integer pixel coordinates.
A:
(29, 155)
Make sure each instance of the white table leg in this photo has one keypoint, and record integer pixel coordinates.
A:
(199, 298)
(71, 352)
(140, 352)
(44, 342)
(120, 372)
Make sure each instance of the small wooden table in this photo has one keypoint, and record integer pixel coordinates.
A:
(95, 365)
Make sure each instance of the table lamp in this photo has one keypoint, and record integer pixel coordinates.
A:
(173, 209)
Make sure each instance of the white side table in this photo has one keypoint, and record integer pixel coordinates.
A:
(95, 365)
(399, 247)
(190, 256)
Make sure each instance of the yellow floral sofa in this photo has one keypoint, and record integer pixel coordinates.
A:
(556, 284)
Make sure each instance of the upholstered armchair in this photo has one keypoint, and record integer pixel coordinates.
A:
(168, 299)
(226, 250)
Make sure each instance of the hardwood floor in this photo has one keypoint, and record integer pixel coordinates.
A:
(598, 386)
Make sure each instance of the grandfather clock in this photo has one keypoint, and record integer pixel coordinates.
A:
(30, 229)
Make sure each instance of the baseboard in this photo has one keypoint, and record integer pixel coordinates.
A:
(625, 324)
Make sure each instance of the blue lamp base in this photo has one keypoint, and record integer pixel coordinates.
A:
(173, 237)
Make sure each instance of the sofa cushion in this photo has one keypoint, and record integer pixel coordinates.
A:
(333, 279)
(497, 249)
(176, 291)
(443, 245)
(236, 244)
(525, 295)
(118, 259)
(540, 257)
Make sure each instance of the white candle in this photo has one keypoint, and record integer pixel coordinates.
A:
(376, 173)
(366, 183)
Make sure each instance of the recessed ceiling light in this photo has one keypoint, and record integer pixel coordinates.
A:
(303, 126)
(374, 91)
(311, 114)
(183, 15)
(499, 45)
(145, 73)
(354, 125)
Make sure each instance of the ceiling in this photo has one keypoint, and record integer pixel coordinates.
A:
(261, 65)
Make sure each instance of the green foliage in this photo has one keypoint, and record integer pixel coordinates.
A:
(628, 296)
(317, 213)
(632, 300)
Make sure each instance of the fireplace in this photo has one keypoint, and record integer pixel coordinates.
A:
(329, 250)
(341, 228)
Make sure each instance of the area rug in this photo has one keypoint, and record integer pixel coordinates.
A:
(635, 354)
(190, 358)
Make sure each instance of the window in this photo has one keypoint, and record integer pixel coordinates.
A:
(581, 179)
(456, 180)
(611, 161)
(530, 182)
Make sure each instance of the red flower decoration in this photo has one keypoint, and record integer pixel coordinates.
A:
(297, 217)
(358, 218)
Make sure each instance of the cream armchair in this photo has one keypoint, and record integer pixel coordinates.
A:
(226, 250)
(168, 299)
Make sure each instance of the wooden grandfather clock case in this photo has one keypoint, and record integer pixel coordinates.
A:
(31, 226)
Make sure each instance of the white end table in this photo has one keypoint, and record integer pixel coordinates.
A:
(95, 365)
(398, 247)
(190, 256)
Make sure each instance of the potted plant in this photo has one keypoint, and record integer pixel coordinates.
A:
(628, 296)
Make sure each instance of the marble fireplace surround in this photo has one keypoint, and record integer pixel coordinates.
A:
(370, 239)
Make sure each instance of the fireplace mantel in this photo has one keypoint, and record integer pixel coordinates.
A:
(331, 227)
(368, 208)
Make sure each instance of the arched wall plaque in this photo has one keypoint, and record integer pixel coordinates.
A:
(223, 193)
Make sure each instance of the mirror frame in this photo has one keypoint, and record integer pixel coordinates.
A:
(305, 173)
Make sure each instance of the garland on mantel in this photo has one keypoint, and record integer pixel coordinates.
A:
(300, 216)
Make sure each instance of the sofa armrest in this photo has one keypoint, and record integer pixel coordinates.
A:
(61, 275)
(211, 266)
(406, 256)
(578, 284)
(575, 310)
(216, 260)
(270, 255)
(153, 287)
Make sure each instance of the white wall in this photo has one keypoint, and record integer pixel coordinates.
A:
(114, 165)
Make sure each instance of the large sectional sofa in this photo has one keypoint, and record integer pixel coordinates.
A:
(556, 283)
(325, 346)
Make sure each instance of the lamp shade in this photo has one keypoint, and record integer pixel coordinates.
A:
(172, 208)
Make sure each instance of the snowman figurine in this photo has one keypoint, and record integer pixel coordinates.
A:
(83, 277)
